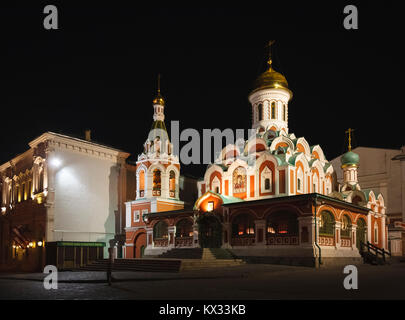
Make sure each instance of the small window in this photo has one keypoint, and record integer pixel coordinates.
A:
(144, 212)
(284, 116)
(210, 206)
(260, 111)
(136, 216)
(267, 184)
(299, 184)
(273, 110)
(217, 189)
(375, 234)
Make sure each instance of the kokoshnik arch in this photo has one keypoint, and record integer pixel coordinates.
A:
(272, 198)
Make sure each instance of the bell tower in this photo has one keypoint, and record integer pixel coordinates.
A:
(269, 98)
(350, 162)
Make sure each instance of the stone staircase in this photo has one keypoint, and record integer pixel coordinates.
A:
(174, 260)
(198, 259)
(145, 265)
(186, 253)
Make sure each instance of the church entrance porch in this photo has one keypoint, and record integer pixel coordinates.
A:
(209, 231)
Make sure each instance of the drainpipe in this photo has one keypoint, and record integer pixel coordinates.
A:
(316, 235)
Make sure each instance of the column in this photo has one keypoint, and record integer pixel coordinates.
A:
(227, 233)
(383, 234)
(338, 235)
(260, 227)
(305, 230)
(196, 243)
(172, 232)
(49, 187)
(354, 237)
(149, 238)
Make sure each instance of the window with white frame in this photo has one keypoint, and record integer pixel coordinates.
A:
(300, 180)
(315, 183)
(216, 185)
(136, 215)
(266, 178)
(144, 211)
(375, 233)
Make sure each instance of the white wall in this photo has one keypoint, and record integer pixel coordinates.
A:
(86, 196)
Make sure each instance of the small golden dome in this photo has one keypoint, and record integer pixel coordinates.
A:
(159, 100)
(270, 79)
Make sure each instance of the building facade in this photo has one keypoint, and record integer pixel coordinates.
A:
(273, 197)
(61, 203)
(383, 170)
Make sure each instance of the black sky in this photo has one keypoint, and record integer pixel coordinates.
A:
(99, 71)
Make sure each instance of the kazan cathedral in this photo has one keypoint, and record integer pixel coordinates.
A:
(272, 198)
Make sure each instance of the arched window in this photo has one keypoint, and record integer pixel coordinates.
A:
(284, 112)
(141, 183)
(300, 180)
(156, 183)
(273, 110)
(215, 186)
(346, 229)
(260, 111)
(327, 224)
(184, 228)
(160, 230)
(315, 183)
(243, 225)
(361, 232)
(267, 185)
(282, 223)
(265, 178)
(41, 179)
(375, 233)
(172, 184)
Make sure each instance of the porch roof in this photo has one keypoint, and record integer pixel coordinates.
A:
(301, 197)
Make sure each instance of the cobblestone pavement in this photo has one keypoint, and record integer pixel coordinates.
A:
(244, 282)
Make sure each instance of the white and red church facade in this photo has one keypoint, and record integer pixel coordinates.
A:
(272, 198)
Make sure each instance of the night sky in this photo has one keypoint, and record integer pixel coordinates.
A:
(99, 71)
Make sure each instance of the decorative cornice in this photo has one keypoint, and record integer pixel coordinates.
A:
(56, 140)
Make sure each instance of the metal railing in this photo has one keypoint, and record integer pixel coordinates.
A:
(374, 250)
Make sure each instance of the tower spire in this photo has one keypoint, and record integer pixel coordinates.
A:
(349, 132)
(269, 60)
(158, 99)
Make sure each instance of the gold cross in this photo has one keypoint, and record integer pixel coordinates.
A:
(269, 44)
(159, 83)
(350, 131)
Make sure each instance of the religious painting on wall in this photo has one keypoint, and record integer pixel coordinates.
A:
(239, 180)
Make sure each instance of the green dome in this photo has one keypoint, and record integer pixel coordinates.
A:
(350, 158)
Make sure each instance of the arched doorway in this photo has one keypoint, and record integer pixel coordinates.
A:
(184, 233)
(209, 231)
(139, 245)
(361, 232)
(160, 234)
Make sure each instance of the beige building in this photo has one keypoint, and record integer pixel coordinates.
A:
(383, 170)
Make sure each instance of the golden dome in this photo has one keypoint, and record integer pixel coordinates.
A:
(270, 79)
(159, 99)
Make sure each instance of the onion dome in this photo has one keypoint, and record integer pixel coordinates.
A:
(350, 159)
(159, 99)
(270, 79)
